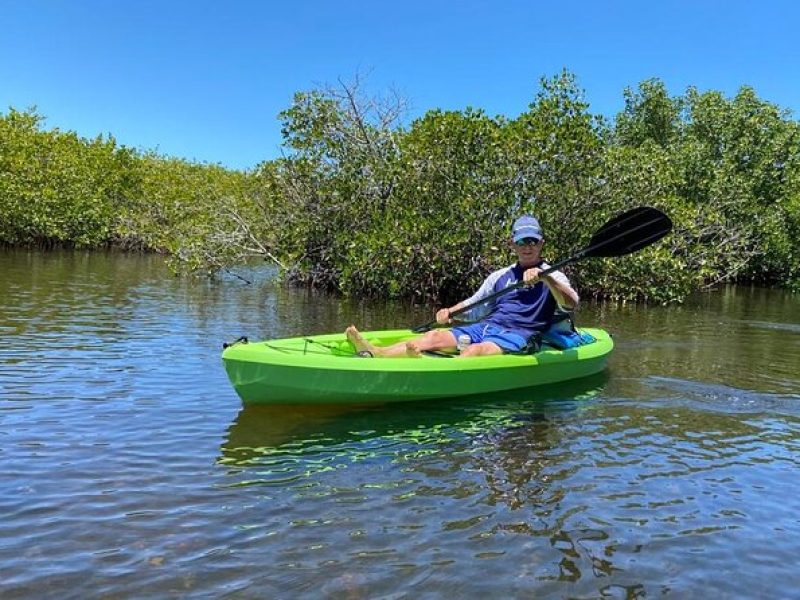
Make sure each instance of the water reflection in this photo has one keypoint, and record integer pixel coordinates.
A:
(262, 431)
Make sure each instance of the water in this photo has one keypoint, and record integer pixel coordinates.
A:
(130, 468)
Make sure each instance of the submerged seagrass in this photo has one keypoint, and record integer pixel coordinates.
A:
(324, 370)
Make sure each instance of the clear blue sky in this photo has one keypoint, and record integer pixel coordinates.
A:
(206, 80)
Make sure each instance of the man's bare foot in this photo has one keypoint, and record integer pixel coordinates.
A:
(359, 342)
(412, 350)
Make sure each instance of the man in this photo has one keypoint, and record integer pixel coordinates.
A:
(510, 320)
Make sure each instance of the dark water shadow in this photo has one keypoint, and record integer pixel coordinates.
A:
(257, 430)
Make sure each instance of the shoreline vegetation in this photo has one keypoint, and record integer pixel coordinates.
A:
(365, 204)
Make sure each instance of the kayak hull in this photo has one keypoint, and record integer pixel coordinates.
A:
(323, 370)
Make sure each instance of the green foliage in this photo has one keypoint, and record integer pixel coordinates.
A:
(650, 115)
(54, 187)
(57, 189)
(423, 211)
(368, 205)
(737, 163)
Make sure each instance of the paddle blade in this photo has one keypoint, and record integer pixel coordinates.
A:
(629, 232)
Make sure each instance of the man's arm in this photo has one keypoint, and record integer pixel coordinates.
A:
(558, 284)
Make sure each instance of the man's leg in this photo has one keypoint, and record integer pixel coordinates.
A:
(482, 349)
(437, 339)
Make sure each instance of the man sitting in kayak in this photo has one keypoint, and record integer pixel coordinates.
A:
(509, 321)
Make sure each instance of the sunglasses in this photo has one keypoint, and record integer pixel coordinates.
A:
(527, 242)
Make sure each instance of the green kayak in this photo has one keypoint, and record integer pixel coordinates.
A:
(323, 369)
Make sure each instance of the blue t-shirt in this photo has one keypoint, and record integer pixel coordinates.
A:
(524, 311)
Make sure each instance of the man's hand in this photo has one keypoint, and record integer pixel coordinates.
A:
(443, 316)
(531, 276)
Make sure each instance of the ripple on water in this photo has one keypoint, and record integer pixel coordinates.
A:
(723, 398)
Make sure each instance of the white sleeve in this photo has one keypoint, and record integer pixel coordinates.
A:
(561, 279)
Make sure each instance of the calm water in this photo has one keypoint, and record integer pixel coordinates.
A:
(130, 469)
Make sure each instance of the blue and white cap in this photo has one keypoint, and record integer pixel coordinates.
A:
(526, 227)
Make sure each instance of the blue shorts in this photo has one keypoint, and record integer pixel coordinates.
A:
(486, 332)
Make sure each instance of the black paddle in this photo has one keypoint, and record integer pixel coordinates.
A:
(624, 234)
